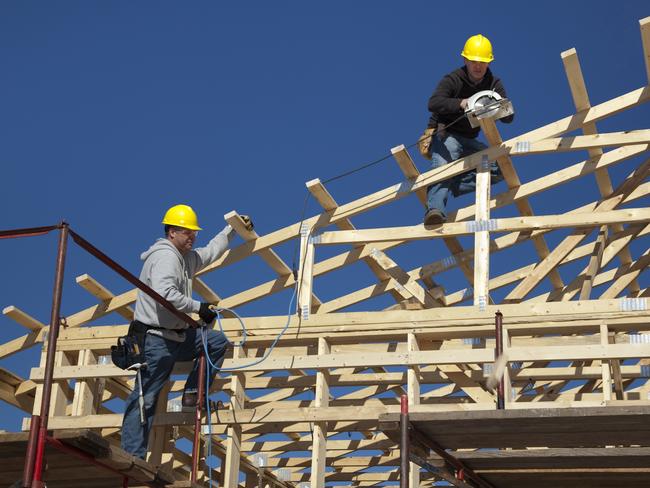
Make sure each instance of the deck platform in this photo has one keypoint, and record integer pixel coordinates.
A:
(583, 447)
(63, 470)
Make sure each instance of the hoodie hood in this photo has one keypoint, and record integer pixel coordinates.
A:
(159, 245)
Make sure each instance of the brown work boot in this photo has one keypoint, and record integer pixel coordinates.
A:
(189, 399)
(434, 217)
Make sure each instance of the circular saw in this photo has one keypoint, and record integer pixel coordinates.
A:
(487, 104)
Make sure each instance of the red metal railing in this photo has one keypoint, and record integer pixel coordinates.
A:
(33, 469)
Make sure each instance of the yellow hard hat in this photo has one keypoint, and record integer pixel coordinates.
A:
(182, 216)
(478, 48)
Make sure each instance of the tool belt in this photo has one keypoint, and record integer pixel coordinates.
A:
(129, 349)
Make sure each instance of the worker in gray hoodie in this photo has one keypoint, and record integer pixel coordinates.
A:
(169, 266)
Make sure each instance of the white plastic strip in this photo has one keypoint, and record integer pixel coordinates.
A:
(305, 312)
(304, 229)
(645, 371)
(522, 146)
(315, 239)
(487, 369)
(481, 225)
(472, 341)
(482, 303)
(485, 162)
(633, 304)
(639, 338)
(449, 261)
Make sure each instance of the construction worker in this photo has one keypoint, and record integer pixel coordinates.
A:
(449, 135)
(169, 266)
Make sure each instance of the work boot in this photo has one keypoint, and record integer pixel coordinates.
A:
(434, 217)
(189, 399)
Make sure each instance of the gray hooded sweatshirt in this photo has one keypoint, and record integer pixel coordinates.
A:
(170, 274)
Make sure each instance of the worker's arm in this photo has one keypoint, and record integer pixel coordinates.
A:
(499, 88)
(443, 101)
(166, 272)
(203, 256)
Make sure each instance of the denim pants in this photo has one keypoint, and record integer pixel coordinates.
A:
(446, 149)
(160, 355)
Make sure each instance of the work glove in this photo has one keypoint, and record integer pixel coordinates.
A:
(206, 313)
(425, 141)
(247, 222)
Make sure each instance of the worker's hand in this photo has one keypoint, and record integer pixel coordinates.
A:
(206, 313)
(247, 222)
(463, 104)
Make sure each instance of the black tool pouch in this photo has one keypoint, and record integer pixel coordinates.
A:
(129, 349)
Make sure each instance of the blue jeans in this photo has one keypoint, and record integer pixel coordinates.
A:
(446, 149)
(160, 356)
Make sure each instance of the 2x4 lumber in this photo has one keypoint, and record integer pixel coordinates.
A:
(595, 263)
(552, 180)
(325, 199)
(645, 40)
(413, 392)
(628, 273)
(571, 241)
(567, 124)
(22, 318)
(234, 439)
(200, 286)
(404, 282)
(102, 293)
(510, 224)
(268, 255)
(284, 363)
(441, 265)
(581, 101)
(512, 180)
(305, 274)
(482, 235)
(409, 169)
(320, 444)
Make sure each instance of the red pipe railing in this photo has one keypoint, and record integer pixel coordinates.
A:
(33, 469)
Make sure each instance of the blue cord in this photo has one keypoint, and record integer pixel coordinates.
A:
(241, 322)
(268, 352)
(210, 364)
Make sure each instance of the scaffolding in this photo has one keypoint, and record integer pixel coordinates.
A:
(324, 407)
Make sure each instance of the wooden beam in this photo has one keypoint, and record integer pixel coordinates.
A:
(323, 197)
(645, 40)
(509, 224)
(411, 172)
(595, 262)
(319, 444)
(22, 318)
(405, 283)
(512, 180)
(102, 293)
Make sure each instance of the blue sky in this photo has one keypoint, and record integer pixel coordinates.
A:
(113, 111)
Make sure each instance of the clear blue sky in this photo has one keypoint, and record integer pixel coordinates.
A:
(113, 111)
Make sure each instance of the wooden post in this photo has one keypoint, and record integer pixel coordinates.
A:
(319, 443)
(481, 232)
(305, 272)
(413, 391)
(606, 372)
(645, 40)
(230, 467)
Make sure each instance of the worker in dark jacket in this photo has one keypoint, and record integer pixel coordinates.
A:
(449, 135)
